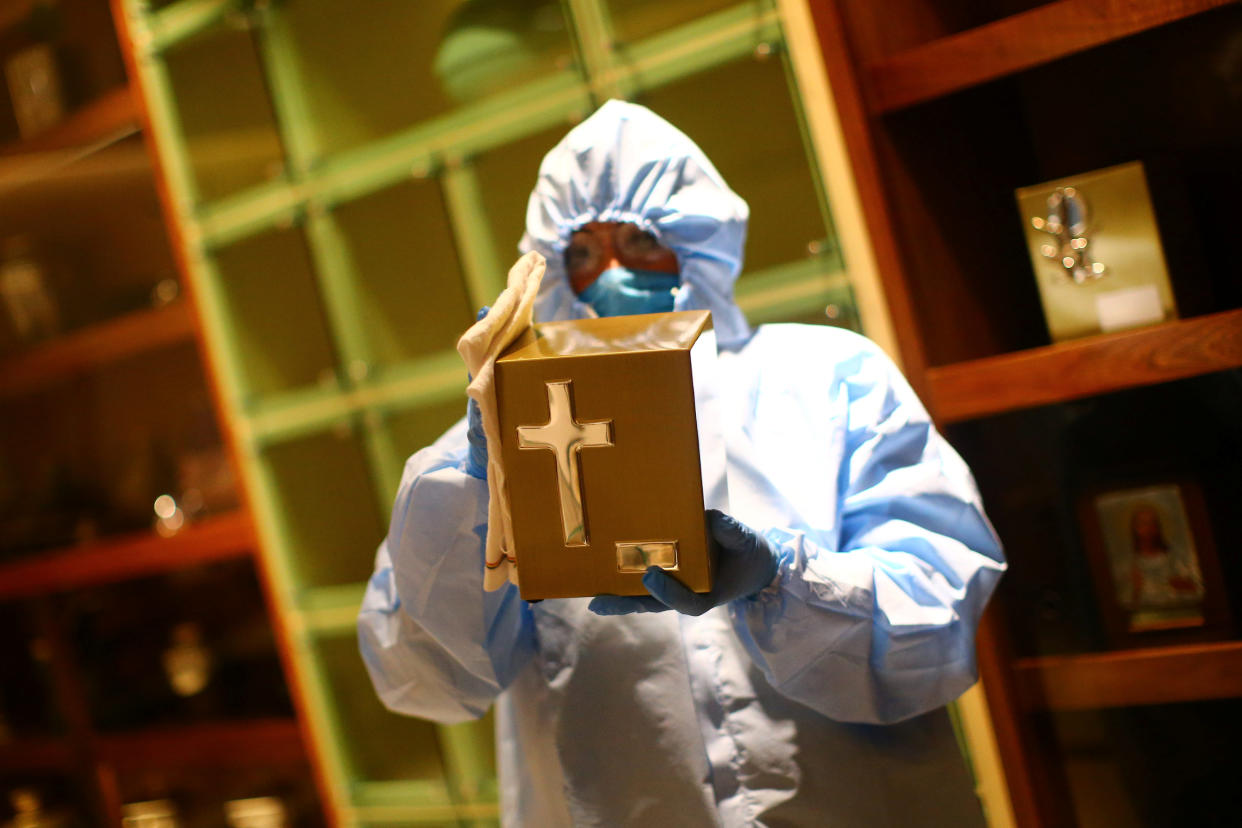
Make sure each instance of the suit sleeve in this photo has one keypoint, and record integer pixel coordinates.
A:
(873, 619)
(435, 644)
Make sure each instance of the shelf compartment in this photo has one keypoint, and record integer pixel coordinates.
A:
(221, 538)
(1013, 44)
(188, 647)
(276, 352)
(110, 116)
(94, 346)
(330, 57)
(36, 754)
(1159, 675)
(764, 158)
(223, 111)
(323, 503)
(375, 744)
(383, 315)
(272, 741)
(1086, 367)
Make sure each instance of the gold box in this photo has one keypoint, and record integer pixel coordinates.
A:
(608, 439)
(1096, 251)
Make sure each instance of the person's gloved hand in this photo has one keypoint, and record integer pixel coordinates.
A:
(746, 562)
(476, 457)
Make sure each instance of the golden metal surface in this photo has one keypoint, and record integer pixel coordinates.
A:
(627, 383)
(636, 557)
(565, 437)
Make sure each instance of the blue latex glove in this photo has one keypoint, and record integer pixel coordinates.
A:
(745, 563)
(476, 458)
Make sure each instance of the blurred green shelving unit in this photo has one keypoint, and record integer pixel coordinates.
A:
(342, 209)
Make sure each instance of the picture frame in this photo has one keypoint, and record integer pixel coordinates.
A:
(1153, 563)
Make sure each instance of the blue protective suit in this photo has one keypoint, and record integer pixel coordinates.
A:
(819, 701)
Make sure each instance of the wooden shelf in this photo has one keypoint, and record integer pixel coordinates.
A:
(110, 116)
(36, 754)
(219, 744)
(1085, 367)
(1161, 675)
(226, 537)
(95, 346)
(1013, 44)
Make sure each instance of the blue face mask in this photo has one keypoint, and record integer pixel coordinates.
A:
(622, 291)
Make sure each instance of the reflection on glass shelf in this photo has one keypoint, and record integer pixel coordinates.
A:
(635, 19)
(379, 745)
(759, 152)
(273, 307)
(418, 428)
(326, 506)
(506, 177)
(224, 112)
(193, 645)
(837, 314)
(412, 300)
(452, 52)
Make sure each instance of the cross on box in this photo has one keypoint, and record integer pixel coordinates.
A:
(611, 452)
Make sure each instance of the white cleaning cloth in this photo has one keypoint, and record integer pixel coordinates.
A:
(487, 339)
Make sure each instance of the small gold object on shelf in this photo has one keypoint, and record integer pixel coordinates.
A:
(1096, 251)
(34, 88)
(256, 812)
(155, 813)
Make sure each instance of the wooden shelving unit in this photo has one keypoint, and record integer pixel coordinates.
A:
(221, 538)
(96, 346)
(946, 109)
(1157, 675)
(1086, 367)
(35, 754)
(125, 374)
(110, 116)
(261, 742)
(1022, 41)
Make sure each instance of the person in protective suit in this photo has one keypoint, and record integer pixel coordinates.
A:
(809, 687)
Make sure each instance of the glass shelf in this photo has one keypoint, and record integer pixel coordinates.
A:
(413, 429)
(410, 297)
(353, 92)
(380, 745)
(633, 20)
(326, 503)
(762, 156)
(224, 112)
(506, 177)
(274, 310)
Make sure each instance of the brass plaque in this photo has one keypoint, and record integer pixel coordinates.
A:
(601, 438)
